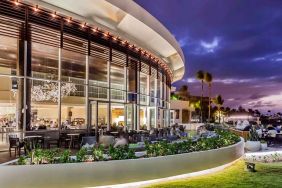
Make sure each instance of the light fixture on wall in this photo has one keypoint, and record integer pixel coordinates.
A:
(50, 91)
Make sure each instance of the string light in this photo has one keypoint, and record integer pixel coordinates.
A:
(107, 34)
(16, 2)
(36, 8)
(84, 25)
(54, 15)
(69, 20)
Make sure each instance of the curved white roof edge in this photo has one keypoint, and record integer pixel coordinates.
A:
(128, 20)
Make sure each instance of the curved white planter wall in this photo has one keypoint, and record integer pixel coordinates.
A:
(116, 172)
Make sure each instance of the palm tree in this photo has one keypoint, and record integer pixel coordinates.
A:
(218, 101)
(208, 80)
(200, 76)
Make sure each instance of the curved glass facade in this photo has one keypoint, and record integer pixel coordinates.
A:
(58, 75)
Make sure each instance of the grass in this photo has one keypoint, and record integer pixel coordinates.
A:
(235, 176)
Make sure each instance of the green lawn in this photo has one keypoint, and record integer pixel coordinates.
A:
(267, 175)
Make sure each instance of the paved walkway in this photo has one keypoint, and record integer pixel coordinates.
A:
(276, 147)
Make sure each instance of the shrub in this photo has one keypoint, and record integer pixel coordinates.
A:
(65, 156)
(98, 153)
(224, 138)
(42, 156)
(81, 155)
(253, 135)
(122, 152)
(22, 160)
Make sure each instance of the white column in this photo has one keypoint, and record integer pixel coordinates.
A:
(87, 115)
(125, 95)
(25, 84)
(59, 89)
(109, 95)
(156, 103)
(148, 90)
(138, 101)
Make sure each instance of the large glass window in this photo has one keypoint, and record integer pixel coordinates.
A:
(73, 109)
(11, 93)
(8, 55)
(103, 115)
(117, 82)
(143, 118)
(117, 115)
(44, 61)
(130, 116)
(44, 105)
(132, 81)
(143, 88)
(98, 78)
(73, 67)
(11, 88)
(152, 91)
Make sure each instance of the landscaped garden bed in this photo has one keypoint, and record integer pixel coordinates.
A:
(121, 165)
(99, 153)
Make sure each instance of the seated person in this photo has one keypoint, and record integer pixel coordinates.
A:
(270, 127)
(243, 126)
(272, 133)
(259, 132)
(105, 140)
(278, 128)
(121, 140)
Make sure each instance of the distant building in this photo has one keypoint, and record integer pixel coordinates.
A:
(181, 112)
(90, 65)
(233, 117)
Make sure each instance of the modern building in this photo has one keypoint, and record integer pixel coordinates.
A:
(85, 64)
(181, 112)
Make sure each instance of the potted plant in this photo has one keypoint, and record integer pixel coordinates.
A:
(263, 145)
(253, 143)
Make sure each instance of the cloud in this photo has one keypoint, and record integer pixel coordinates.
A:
(189, 80)
(210, 46)
(183, 42)
(242, 51)
(274, 57)
(274, 101)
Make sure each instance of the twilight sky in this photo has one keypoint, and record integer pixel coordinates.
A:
(238, 41)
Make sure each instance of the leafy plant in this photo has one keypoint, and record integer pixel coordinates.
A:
(253, 135)
(81, 155)
(22, 160)
(98, 153)
(224, 138)
(120, 153)
(65, 156)
(41, 156)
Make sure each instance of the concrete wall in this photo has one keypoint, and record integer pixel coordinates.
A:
(116, 172)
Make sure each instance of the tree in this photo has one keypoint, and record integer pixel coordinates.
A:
(200, 76)
(218, 101)
(183, 92)
(257, 112)
(174, 96)
(241, 109)
(208, 79)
